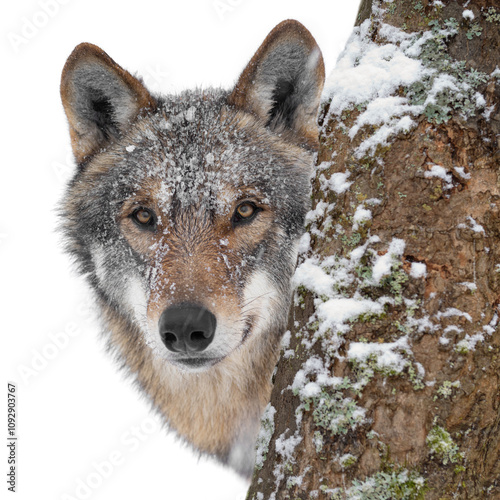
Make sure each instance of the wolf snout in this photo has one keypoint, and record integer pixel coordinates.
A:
(187, 328)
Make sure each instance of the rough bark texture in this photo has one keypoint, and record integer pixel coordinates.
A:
(434, 435)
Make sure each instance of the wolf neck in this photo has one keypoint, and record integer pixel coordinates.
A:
(217, 411)
(223, 403)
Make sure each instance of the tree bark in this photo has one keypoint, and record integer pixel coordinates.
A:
(388, 386)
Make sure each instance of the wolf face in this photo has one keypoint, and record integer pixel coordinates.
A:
(193, 217)
(184, 215)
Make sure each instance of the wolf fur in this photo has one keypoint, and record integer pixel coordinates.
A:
(191, 161)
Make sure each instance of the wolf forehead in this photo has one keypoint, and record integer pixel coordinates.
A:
(195, 151)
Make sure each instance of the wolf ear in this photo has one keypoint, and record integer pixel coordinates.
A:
(282, 83)
(100, 99)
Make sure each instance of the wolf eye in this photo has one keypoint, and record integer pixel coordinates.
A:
(245, 212)
(144, 218)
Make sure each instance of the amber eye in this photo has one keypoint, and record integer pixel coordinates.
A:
(144, 217)
(245, 212)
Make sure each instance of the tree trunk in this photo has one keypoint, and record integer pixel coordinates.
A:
(388, 385)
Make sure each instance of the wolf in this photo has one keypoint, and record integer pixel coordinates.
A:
(184, 215)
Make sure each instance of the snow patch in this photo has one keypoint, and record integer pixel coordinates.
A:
(304, 243)
(310, 275)
(461, 172)
(468, 14)
(477, 228)
(361, 215)
(440, 172)
(317, 213)
(285, 340)
(367, 72)
(385, 355)
(452, 311)
(337, 182)
(286, 446)
(491, 326)
(471, 286)
(418, 270)
(382, 135)
(265, 434)
(383, 264)
(335, 312)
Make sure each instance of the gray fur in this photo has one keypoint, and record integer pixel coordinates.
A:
(104, 104)
(191, 158)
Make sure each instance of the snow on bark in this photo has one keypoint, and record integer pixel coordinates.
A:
(388, 383)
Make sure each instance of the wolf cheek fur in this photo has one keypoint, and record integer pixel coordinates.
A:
(184, 215)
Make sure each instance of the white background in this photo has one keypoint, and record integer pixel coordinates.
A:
(76, 410)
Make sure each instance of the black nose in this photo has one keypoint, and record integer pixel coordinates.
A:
(187, 328)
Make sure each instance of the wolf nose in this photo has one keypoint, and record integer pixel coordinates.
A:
(187, 328)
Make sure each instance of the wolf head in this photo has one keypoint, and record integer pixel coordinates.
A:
(186, 210)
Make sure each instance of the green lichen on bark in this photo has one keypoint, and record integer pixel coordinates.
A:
(443, 447)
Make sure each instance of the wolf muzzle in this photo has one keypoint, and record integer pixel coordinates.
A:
(187, 328)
